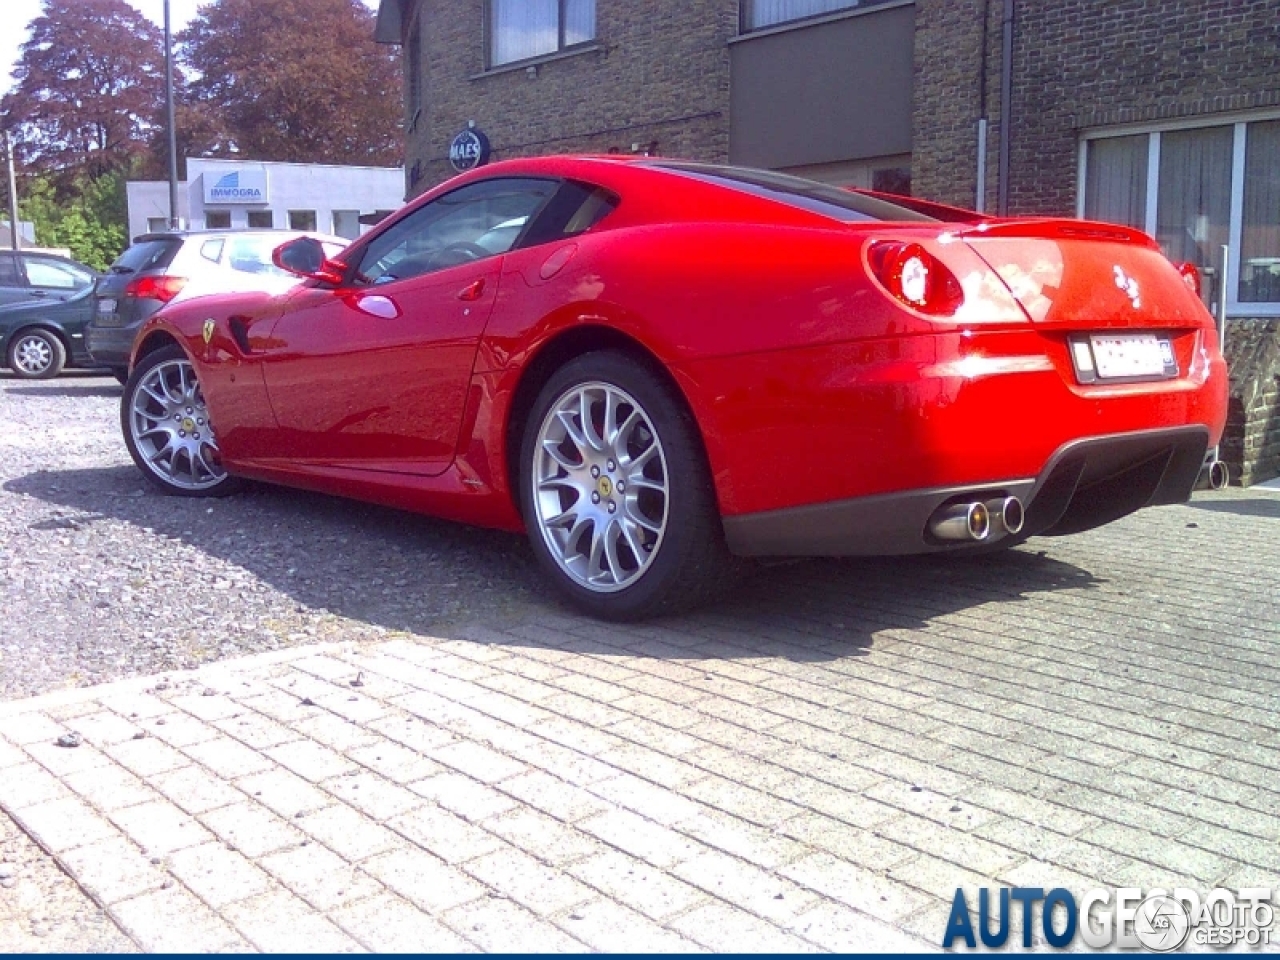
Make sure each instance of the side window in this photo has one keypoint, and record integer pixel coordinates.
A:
(211, 249)
(576, 208)
(9, 275)
(473, 222)
(56, 276)
(252, 254)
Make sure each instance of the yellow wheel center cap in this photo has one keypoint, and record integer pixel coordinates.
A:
(605, 486)
(188, 424)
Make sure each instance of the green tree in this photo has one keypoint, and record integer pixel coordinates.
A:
(92, 223)
(293, 80)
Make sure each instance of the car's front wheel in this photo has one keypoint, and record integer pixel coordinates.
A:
(36, 355)
(616, 492)
(167, 428)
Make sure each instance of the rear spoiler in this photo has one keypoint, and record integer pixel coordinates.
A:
(1059, 228)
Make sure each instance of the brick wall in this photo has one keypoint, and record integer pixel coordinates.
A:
(660, 75)
(1078, 64)
(1251, 446)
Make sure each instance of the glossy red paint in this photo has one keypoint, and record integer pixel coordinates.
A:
(808, 381)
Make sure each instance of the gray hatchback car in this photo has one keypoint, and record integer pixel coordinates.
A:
(161, 268)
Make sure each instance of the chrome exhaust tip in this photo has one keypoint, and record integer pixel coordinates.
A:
(1008, 513)
(1219, 475)
(961, 521)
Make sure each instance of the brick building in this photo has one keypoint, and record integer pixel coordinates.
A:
(1164, 114)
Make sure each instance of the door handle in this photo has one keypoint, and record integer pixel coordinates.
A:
(472, 291)
(40, 294)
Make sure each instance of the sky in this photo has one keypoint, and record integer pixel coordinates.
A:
(19, 13)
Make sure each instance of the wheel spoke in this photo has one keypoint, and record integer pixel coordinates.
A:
(611, 533)
(552, 449)
(637, 549)
(594, 440)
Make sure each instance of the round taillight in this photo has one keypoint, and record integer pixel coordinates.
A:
(914, 280)
(1190, 276)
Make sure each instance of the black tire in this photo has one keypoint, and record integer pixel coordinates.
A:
(691, 564)
(121, 374)
(26, 345)
(154, 474)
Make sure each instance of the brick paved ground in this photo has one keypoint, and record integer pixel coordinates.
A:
(817, 764)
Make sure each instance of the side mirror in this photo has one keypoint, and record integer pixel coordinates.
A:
(304, 257)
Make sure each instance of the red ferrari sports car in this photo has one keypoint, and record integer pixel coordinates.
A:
(656, 367)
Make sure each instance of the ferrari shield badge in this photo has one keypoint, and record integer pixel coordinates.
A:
(208, 330)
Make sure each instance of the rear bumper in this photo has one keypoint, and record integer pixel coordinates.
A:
(109, 346)
(1085, 484)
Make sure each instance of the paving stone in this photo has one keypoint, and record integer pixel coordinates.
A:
(114, 869)
(28, 784)
(336, 733)
(612, 927)
(425, 881)
(658, 845)
(397, 763)
(757, 891)
(320, 877)
(103, 727)
(311, 760)
(146, 757)
(478, 762)
(160, 827)
(388, 924)
(174, 921)
(554, 796)
(216, 875)
(284, 792)
(373, 795)
(494, 924)
(252, 829)
(446, 835)
(543, 836)
(179, 729)
(195, 790)
(279, 922)
(528, 882)
(466, 797)
(655, 893)
(31, 727)
(348, 833)
(254, 730)
(854, 886)
(228, 758)
(722, 928)
(842, 930)
(110, 788)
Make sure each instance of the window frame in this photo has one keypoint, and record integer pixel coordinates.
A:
(55, 263)
(560, 50)
(746, 7)
(1239, 123)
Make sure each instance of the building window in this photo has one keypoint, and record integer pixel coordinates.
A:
(157, 224)
(1197, 190)
(217, 219)
(520, 29)
(758, 14)
(346, 224)
(261, 220)
(302, 220)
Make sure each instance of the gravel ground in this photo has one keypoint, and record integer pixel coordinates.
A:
(101, 577)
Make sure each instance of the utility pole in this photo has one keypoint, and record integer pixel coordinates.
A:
(174, 221)
(13, 191)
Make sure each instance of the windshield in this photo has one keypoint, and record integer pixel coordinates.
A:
(147, 255)
(820, 198)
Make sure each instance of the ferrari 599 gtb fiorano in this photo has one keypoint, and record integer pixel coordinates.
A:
(656, 367)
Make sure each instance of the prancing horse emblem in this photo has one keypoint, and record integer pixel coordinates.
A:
(208, 330)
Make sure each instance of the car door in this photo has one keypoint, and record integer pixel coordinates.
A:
(373, 373)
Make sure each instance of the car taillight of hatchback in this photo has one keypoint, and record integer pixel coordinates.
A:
(153, 287)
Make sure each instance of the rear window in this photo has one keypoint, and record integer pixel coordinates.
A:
(820, 198)
(147, 255)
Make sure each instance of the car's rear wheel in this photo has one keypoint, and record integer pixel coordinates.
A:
(167, 428)
(36, 355)
(616, 492)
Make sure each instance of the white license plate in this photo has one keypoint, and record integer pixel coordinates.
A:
(106, 306)
(1119, 356)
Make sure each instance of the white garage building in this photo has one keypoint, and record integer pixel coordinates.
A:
(221, 194)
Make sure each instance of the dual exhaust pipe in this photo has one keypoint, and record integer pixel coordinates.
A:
(974, 521)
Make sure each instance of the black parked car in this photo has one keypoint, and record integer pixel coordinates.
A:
(45, 302)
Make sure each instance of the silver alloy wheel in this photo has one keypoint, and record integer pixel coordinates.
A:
(600, 486)
(170, 427)
(32, 355)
